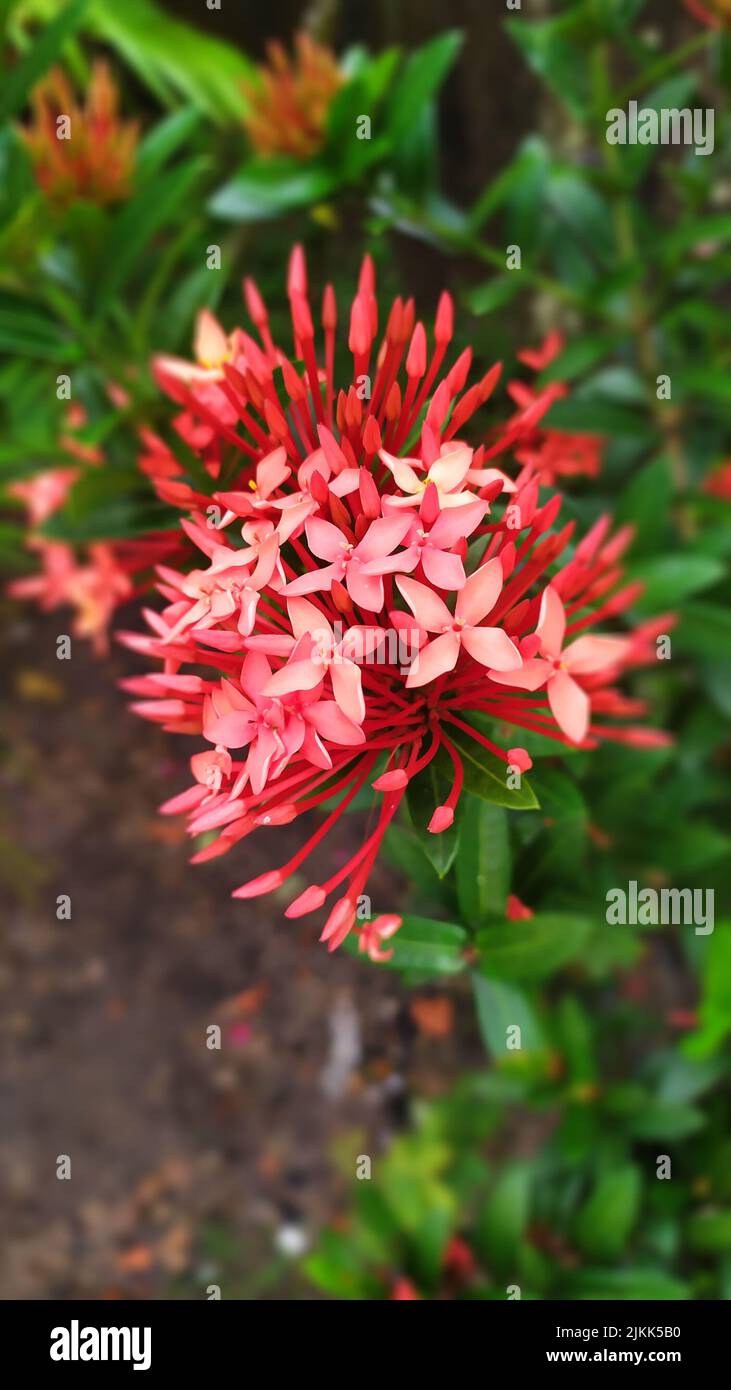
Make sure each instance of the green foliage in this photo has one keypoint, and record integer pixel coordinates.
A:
(397, 96)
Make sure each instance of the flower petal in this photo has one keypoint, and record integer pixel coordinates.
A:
(480, 593)
(443, 570)
(530, 676)
(450, 470)
(551, 623)
(404, 476)
(570, 706)
(589, 654)
(428, 608)
(491, 647)
(434, 659)
(347, 689)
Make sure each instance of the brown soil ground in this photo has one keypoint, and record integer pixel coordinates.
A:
(189, 1166)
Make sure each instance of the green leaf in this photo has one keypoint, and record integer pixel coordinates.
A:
(638, 1283)
(424, 794)
(421, 944)
(607, 1218)
(171, 57)
(138, 222)
(495, 293)
(27, 331)
(578, 356)
(710, 1232)
(485, 775)
(670, 578)
(268, 189)
(531, 948)
(705, 630)
(527, 168)
(504, 1218)
(403, 849)
(418, 82)
(164, 140)
(645, 502)
(715, 1007)
(548, 49)
(665, 1120)
(483, 863)
(41, 55)
(499, 1007)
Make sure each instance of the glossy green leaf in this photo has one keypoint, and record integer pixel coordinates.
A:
(483, 863)
(499, 1007)
(504, 1218)
(606, 1220)
(532, 948)
(485, 775)
(42, 53)
(419, 80)
(671, 578)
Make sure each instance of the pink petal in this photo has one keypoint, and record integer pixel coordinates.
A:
(456, 524)
(589, 654)
(329, 721)
(272, 471)
(444, 570)
(382, 537)
(296, 675)
(365, 589)
(484, 476)
(551, 623)
(255, 672)
(570, 706)
(491, 647)
(451, 469)
(211, 343)
(260, 758)
(233, 730)
(314, 581)
(347, 689)
(480, 593)
(402, 563)
(249, 599)
(306, 618)
(325, 540)
(404, 476)
(434, 659)
(531, 676)
(360, 643)
(345, 483)
(430, 611)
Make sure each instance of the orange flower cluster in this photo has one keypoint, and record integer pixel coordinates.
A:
(89, 154)
(289, 103)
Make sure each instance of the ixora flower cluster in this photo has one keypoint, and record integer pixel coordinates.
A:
(340, 519)
(81, 152)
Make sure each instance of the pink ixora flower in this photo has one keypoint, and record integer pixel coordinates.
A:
(279, 652)
(462, 629)
(557, 667)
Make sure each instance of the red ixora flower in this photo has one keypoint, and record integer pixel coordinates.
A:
(552, 453)
(81, 152)
(290, 99)
(371, 585)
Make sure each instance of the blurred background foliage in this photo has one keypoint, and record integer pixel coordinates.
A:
(488, 131)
